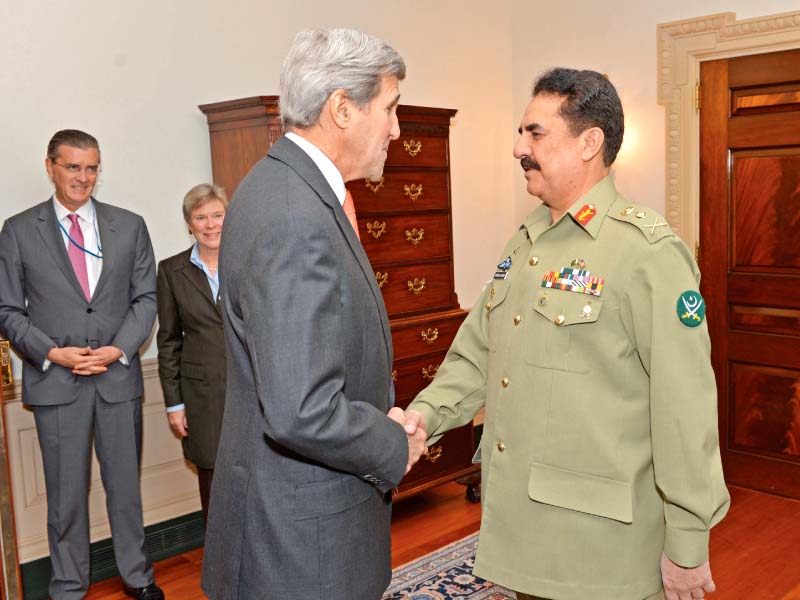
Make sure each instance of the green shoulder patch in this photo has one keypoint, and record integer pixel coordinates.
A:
(653, 226)
(691, 308)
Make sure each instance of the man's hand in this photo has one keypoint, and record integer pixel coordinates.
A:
(97, 360)
(682, 583)
(415, 431)
(79, 360)
(178, 423)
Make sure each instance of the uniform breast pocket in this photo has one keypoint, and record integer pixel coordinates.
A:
(562, 319)
(494, 306)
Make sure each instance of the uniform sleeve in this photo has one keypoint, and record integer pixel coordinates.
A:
(169, 340)
(459, 389)
(683, 398)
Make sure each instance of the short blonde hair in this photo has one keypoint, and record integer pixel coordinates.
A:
(202, 194)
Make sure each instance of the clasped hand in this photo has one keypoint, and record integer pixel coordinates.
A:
(415, 431)
(85, 361)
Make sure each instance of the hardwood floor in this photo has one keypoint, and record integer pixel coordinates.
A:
(755, 551)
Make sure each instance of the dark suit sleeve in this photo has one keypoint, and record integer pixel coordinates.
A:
(142, 312)
(27, 339)
(169, 339)
(292, 300)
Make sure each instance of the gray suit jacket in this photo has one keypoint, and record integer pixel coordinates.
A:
(42, 305)
(299, 507)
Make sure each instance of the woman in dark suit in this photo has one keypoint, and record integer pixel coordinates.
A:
(191, 346)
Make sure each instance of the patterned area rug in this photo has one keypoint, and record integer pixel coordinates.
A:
(444, 575)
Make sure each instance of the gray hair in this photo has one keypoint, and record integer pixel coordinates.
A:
(200, 195)
(322, 61)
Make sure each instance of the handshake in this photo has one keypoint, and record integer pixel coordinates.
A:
(415, 430)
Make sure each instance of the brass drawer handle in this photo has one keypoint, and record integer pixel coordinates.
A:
(413, 191)
(382, 278)
(376, 229)
(415, 235)
(416, 286)
(394, 374)
(374, 186)
(413, 147)
(434, 453)
(429, 335)
(429, 372)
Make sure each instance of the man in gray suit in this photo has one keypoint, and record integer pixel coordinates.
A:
(300, 505)
(77, 299)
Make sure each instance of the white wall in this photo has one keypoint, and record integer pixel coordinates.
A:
(133, 73)
(617, 38)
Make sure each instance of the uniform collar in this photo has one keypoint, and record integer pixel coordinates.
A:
(598, 200)
(591, 209)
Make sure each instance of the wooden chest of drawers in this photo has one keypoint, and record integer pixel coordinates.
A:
(405, 227)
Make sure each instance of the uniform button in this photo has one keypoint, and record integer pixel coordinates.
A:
(488, 306)
(543, 301)
(505, 381)
(560, 320)
(517, 320)
(89, 310)
(491, 292)
(501, 446)
(534, 260)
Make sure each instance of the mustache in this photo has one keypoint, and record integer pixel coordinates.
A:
(529, 163)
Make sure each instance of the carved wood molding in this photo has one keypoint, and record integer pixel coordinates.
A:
(682, 46)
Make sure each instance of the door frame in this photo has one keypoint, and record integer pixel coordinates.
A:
(682, 46)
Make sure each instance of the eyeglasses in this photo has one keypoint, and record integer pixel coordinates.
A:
(73, 169)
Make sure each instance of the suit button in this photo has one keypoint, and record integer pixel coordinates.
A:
(505, 381)
(501, 446)
(89, 311)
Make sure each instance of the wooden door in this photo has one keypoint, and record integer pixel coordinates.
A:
(750, 260)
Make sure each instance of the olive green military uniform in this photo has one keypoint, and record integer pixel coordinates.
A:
(600, 447)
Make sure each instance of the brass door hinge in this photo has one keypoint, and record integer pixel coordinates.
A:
(697, 96)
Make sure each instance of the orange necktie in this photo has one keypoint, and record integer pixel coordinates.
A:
(350, 211)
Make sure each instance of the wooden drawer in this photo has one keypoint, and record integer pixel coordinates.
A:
(412, 376)
(401, 190)
(404, 238)
(420, 336)
(451, 453)
(415, 288)
(412, 150)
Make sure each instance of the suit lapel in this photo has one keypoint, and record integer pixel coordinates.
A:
(199, 280)
(107, 229)
(290, 153)
(50, 233)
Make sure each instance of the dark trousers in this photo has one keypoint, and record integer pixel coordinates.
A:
(65, 436)
(204, 479)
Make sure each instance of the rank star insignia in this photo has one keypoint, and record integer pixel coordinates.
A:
(585, 214)
(691, 308)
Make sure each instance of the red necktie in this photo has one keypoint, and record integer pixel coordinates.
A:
(77, 257)
(350, 211)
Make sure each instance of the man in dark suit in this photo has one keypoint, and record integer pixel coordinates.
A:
(77, 299)
(300, 504)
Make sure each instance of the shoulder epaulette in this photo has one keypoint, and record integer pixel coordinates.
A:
(653, 226)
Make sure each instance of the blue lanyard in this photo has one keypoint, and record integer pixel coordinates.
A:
(99, 253)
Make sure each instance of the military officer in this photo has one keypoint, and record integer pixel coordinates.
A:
(589, 350)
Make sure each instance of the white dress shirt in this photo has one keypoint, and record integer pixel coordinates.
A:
(324, 164)
(87, 221)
